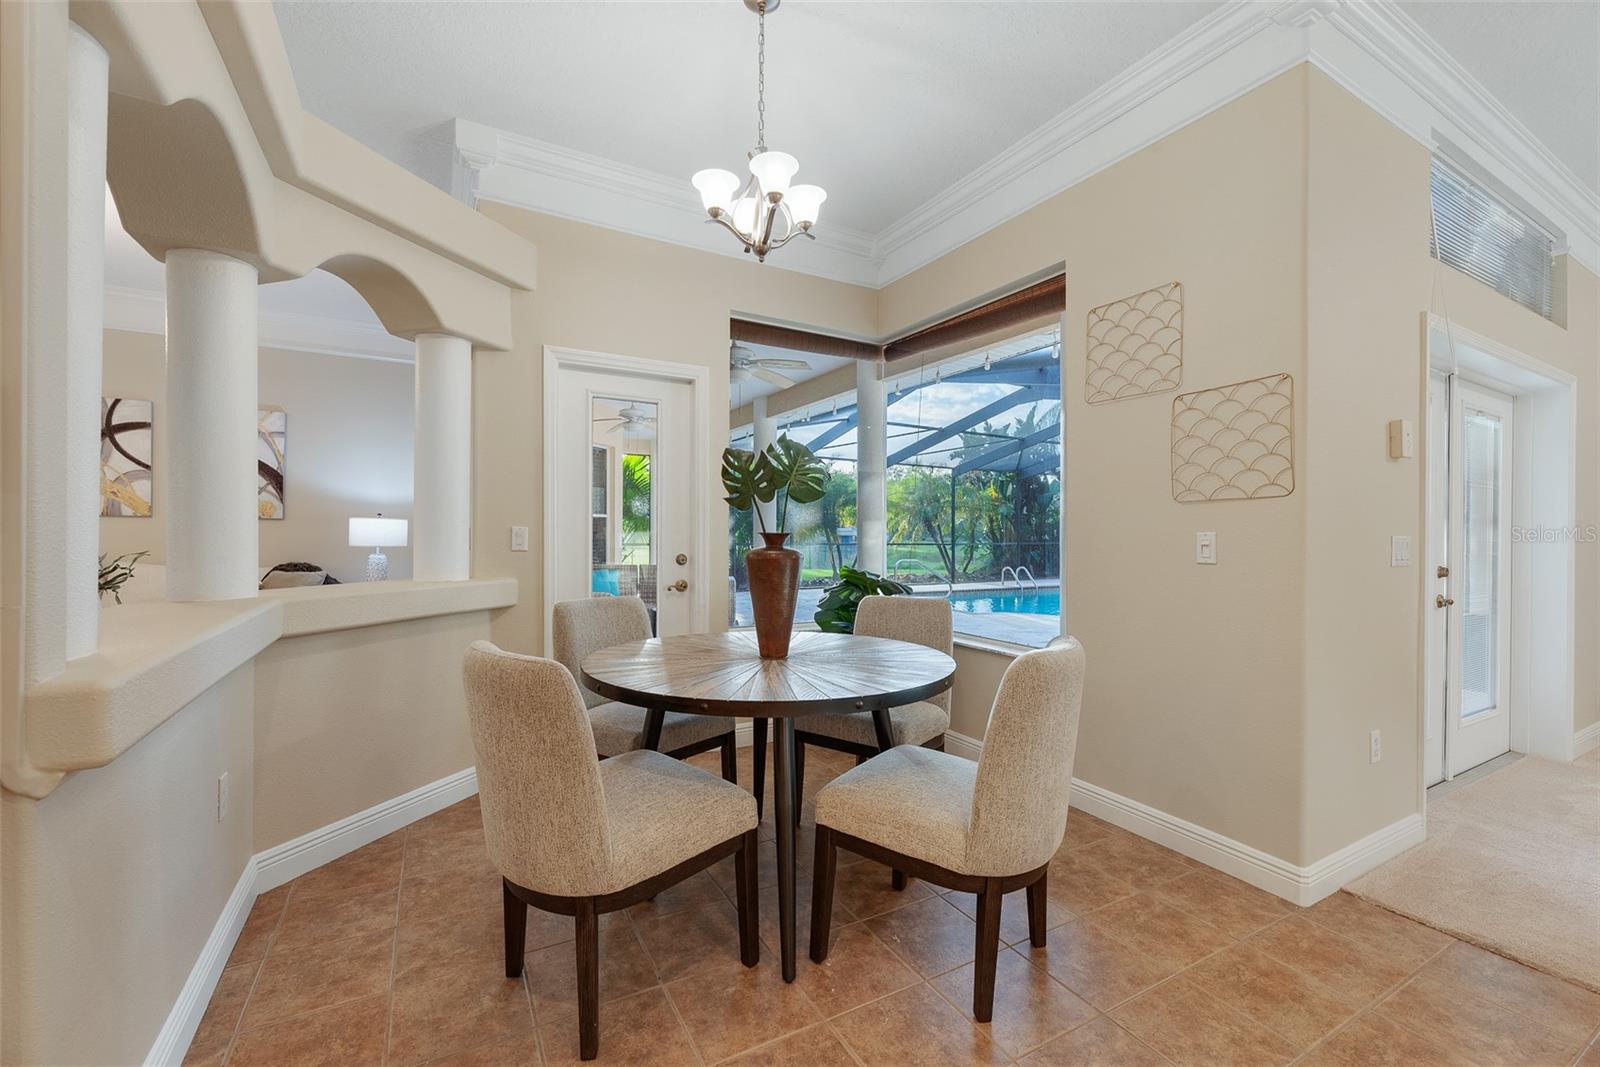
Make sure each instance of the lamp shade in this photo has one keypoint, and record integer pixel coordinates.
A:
(805, 201)
(378, 532)
(773, 171)
(716, 188)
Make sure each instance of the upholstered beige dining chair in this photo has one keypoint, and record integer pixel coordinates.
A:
(988, 828)
(573, 835)
(917, 620)
(585, 626)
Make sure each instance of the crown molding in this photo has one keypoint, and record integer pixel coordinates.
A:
(145, 311)
(1371, 48)
(548, 178)
(1380, 55)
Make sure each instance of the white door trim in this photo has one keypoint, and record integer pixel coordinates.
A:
(1545, 489)
(698, 378)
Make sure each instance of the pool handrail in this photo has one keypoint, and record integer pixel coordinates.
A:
(1019, 572)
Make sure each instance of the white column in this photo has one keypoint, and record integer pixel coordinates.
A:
(212, 536)
(765, 428)
(441, 508)
(872, 451)
(87, 71)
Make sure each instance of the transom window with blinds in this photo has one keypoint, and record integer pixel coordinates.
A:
(1482, 235)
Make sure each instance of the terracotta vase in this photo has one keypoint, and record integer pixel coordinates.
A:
(774, 584)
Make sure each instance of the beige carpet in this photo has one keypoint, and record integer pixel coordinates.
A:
(1512, 863)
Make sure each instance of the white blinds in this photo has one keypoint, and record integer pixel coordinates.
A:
(1481, 235)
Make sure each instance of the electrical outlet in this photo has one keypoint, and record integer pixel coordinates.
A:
(1375, 740)
(519, 539)
(223, 796)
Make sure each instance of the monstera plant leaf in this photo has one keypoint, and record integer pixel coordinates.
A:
(797, 474)
(741, 479)
(785, 471)
(836, 613)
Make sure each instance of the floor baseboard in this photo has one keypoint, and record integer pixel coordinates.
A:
(172, 1042)
(1586, 740)
(284, 863)
(288, 861)
(1304, 885)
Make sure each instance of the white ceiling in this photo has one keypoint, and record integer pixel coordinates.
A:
(884, 104)
(1540, 60)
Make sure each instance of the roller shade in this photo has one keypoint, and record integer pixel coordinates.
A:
(762, 333)
(1486, 238)
(1043, 299)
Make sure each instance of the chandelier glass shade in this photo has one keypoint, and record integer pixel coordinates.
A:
(763, 211)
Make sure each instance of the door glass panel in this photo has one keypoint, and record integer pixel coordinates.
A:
(1481, 607)
(623, 559)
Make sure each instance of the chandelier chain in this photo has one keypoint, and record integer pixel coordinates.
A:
(761, 77)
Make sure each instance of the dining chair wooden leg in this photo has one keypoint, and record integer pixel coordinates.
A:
(745, 863)
(799, 776)
(1036, 907)
(758, 741)
(587, 929)
(988, 950)
(730, 758)
(823, 868)
(897, 880)
(516, 911)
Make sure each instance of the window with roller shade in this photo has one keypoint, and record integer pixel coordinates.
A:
(1485, 237)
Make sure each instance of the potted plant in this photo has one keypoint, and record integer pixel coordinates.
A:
(785, 471)
(115, 573)
(836, 614)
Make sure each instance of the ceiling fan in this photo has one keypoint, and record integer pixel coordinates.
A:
(744, 364)
(632, 419)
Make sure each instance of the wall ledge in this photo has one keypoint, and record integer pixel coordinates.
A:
(319, 609)
(154, 658)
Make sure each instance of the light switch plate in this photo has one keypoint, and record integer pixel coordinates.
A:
(1402, 439)
(519, 539)
(1400, 550)
(1205, 547)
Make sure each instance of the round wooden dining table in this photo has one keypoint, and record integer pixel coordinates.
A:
(724, 674)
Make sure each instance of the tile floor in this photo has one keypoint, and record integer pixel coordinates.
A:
(392, 955)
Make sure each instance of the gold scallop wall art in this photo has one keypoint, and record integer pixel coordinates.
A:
(1234, 442)
(1135, 346)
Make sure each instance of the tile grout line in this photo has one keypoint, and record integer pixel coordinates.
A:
(261, 967)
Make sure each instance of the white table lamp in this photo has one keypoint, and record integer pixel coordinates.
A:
(380, 533)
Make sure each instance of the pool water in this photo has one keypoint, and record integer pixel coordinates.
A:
(990, 601)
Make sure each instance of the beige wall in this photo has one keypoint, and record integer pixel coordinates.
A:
(1370, 279)
(112, 883)
(350, 719)
(604, 291)
(1193, 692)
(348, 452)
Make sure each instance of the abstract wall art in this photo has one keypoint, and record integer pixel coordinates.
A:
(272, 425)
(127, 435)
(1235, 442)
(1135, 345)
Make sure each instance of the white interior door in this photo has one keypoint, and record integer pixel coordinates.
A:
(623, 493)
(1474, 590)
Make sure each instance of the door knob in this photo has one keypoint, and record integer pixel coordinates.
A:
(1442, 601)
(678, 586)
(681, 559)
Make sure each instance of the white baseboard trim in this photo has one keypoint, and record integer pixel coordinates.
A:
(172, 1042)
(1586, 740)
(1300, 885)
(272, 868)
(288, 861)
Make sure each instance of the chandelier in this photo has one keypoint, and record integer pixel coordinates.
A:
(770, 212)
